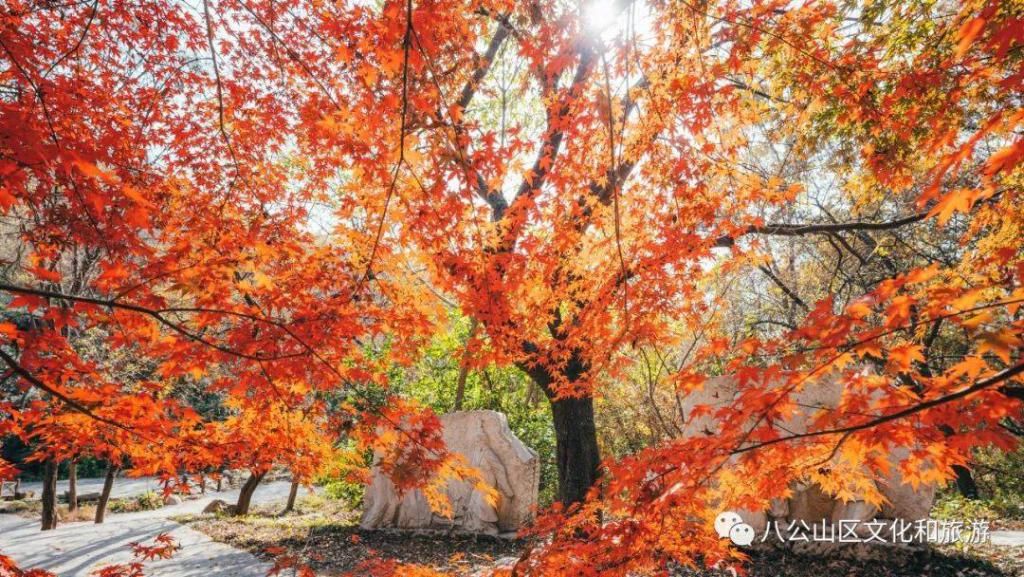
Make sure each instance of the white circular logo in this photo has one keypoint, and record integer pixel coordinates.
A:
(724, 522)
(741, 534)
(730, 524)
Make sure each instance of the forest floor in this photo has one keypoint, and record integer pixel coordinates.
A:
(324, 534)
(936, 561)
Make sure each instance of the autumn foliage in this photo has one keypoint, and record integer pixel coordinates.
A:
(275, 202)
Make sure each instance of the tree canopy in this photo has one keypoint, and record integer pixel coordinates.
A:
(275, 203)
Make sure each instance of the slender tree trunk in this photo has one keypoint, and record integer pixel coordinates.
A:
(965, 482)
(108, 486)
(49, 496)
(460, 385)
(73, 486)
(578, 456)
(245, 495)
(292, 494)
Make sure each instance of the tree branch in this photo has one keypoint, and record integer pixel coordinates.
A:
(787, 229)
(981, 385)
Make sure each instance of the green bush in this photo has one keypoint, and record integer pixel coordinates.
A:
(1000, 479)
(503, 388)
(954, 507)
(347, 491)
(145, 502)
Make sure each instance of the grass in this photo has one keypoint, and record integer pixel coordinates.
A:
(32, 509)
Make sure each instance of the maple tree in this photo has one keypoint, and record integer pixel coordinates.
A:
(251, 197)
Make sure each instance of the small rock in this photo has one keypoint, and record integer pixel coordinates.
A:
(171, 500)
(216, 506)
(503, 566)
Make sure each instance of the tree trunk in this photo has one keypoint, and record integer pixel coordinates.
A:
(292, 494)
(72, 486)
(460, 384)
(964, 479)
(108, 486)
(965, 482)
(49, 496)
(245, 495)
(577, 454)
(578, 457)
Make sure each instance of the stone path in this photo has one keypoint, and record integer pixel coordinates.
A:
(1008, 538)
(77, 549)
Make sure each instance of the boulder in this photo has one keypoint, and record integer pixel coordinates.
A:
(216, 506)
(484, 440)
(171, 500)
(808, 503)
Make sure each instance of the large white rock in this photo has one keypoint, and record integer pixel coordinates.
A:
(808, 503)
(484, 439)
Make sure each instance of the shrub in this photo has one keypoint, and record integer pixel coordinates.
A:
(145, 502)
(954, 507)
(347, 491)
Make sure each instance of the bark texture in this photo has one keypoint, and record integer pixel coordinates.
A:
(72, 486)
(577, 454)
(245, 495)
(292, 494)
(108, 486)
(49, 497)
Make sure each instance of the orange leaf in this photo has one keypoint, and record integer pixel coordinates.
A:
(903, 355)
(999, 343)
(952, 203)
(967, 34)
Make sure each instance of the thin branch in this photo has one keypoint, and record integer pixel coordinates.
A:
(220, 88)
(786, 229)
(406, 44)
(39, 384)
(785, 289)
(158, 315)
(981, 385)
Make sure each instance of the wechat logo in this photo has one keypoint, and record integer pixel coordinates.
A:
(729, 524)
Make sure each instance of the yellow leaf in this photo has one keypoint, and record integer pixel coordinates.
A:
(970, 366)
(869, 348)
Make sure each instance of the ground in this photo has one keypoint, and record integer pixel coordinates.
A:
(987, 561)
(324, 533)
(77, 549)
